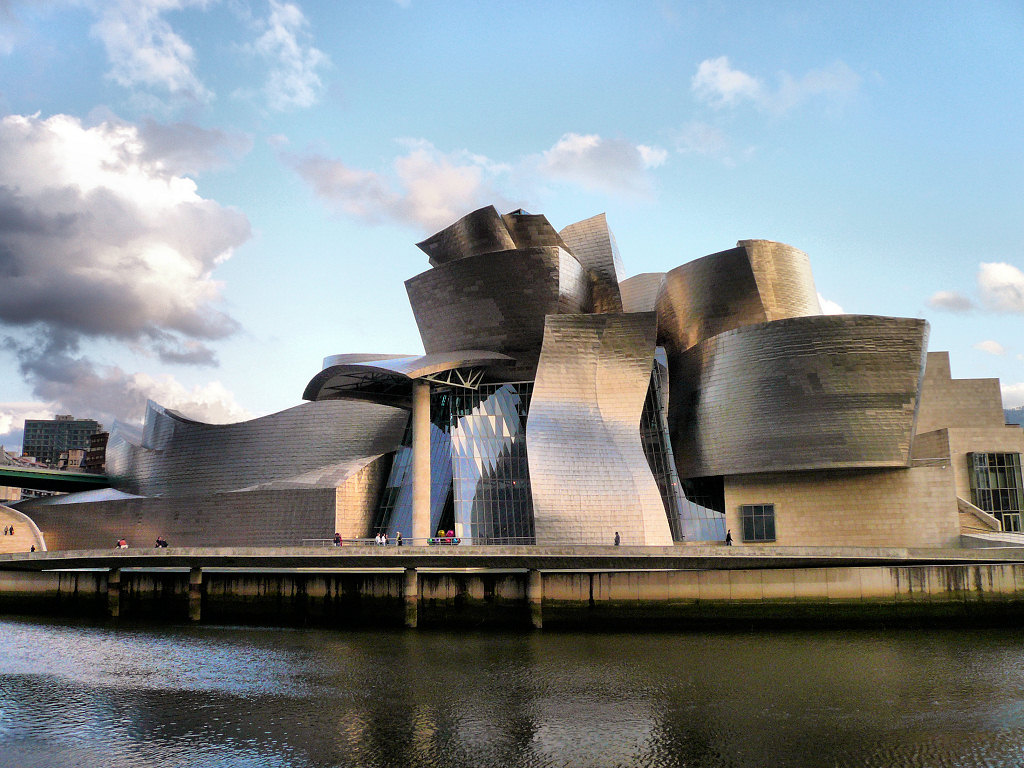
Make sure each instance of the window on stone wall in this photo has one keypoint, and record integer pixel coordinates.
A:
(996, 486)
(758, 522)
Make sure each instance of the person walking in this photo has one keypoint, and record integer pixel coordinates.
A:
(398, 539)
(617, 539)
(728, 538)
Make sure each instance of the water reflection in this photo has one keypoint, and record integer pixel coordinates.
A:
(87, 695)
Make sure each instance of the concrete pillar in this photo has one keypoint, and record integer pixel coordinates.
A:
(114, 592)
(412, 597)
(535, 597)
(420, 461)
(195, 594)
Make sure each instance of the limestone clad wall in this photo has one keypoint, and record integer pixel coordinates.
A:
(948, 402)
(999, 439)
(909, 507)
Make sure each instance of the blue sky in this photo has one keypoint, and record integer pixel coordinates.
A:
(200, 199)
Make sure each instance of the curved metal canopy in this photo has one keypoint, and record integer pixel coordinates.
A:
(390, 374)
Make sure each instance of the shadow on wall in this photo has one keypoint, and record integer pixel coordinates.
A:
(25, 533)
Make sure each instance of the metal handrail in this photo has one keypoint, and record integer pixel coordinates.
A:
(429, 541)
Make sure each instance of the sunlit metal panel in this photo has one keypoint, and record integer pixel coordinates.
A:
(640, 292)
(481, 231)
(588, 471)
(181, 457)
(827, 391)
(592, 242)
(498, 301)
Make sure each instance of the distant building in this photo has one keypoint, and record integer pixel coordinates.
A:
(46, 439)
(71, 460)
(96, 455)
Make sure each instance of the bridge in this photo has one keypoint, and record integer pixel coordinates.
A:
(51, 479)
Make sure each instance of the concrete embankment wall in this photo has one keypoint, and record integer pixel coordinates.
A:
(619, 599)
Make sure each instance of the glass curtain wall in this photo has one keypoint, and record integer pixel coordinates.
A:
(394, 513)
(479, 472)
(687, 520)
(493, 503)
(996, 486)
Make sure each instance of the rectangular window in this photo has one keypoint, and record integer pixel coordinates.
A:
(758, 522)
(996, 486)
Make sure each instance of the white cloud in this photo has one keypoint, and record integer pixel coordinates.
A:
(597, 163)
(426, 188)
(12, 421)
(144, 50)
(98, 238)
(430, 189)
(1001, 287)
(829, 307)
(293, 80)
(1013, 395)
(950, 301)
(107, 393)
(718, 84)
(992, 347)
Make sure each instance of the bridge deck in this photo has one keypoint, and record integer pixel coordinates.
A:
(51, 479)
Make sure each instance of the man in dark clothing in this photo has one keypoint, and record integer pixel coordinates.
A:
(728, 538)
(617, 539)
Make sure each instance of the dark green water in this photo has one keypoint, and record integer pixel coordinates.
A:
(94, 695)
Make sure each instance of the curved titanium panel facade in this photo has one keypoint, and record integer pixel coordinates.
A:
(589, 475)
(530, 230)
(831, 391)
(179, 457)
(593, 244)
(640, 292)
(498, 301)
(481, 231)
(756, 282)
(708, 296)
(784, 279)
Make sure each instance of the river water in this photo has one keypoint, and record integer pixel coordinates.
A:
(87, 694)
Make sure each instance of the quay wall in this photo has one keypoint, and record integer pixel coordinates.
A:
(593, 599)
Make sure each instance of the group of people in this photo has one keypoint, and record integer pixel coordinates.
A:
(382, 540)
(121, 544)
(8, 530)
(445, 538)
(160, 542)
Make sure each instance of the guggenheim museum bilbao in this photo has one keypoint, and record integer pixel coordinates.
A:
(557, 403)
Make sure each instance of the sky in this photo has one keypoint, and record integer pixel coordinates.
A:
(201, 199)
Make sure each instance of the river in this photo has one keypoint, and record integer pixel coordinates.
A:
(91, 694)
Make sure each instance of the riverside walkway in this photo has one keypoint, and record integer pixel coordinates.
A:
(595, 585)
(532, 557)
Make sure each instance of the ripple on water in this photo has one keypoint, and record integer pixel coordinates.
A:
(95, 695)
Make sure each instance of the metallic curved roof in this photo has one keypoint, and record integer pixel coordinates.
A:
(350, 371)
